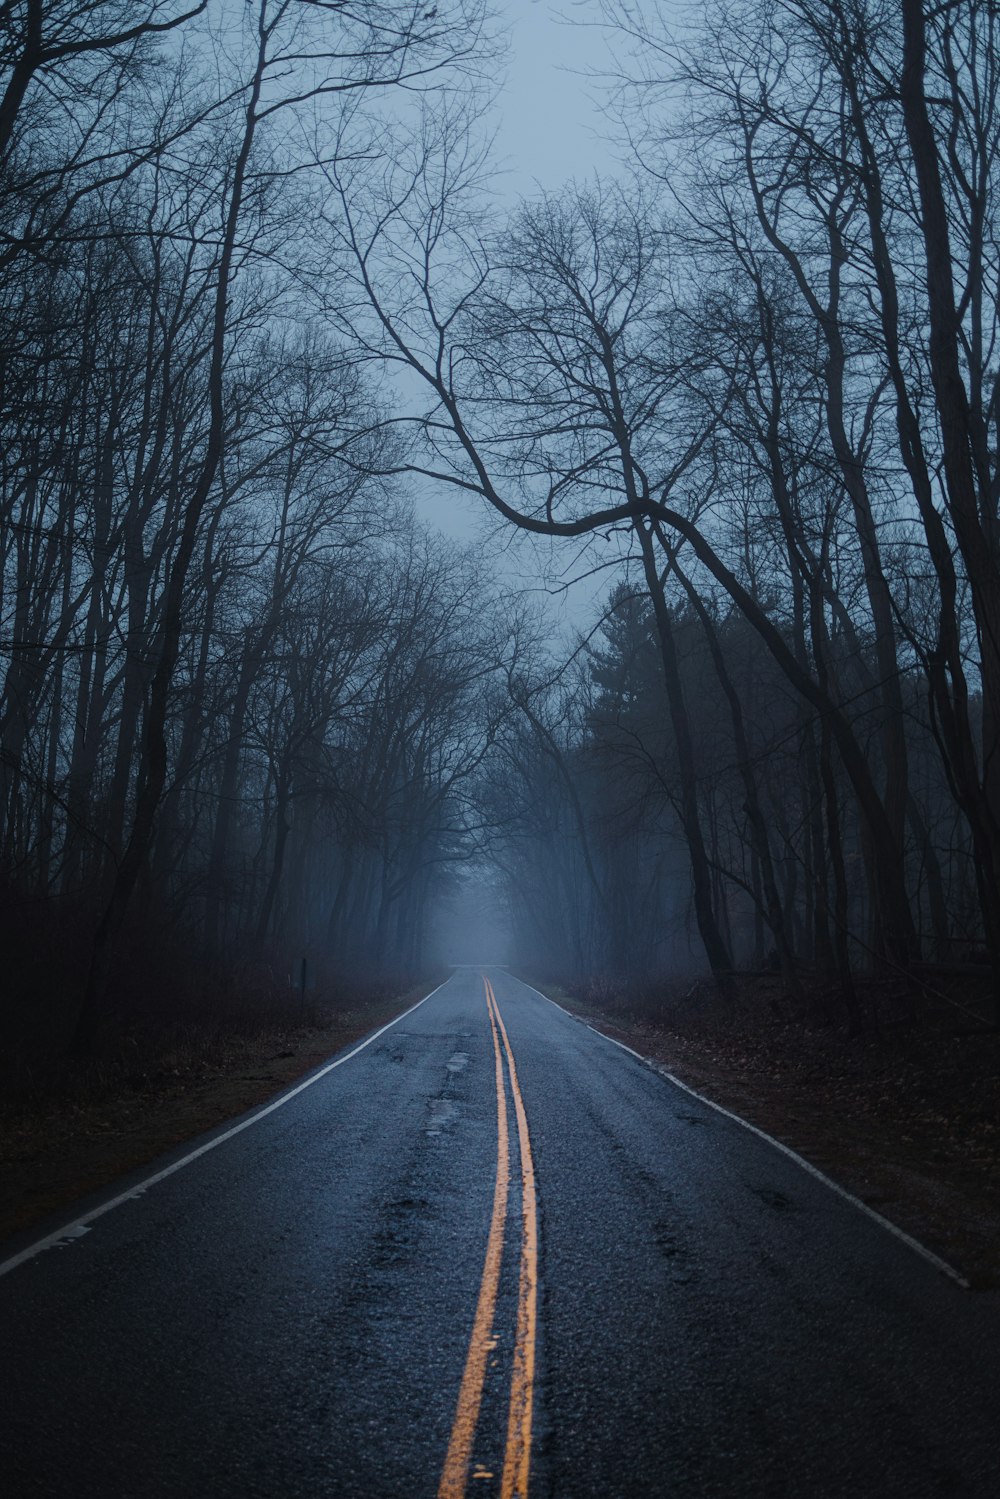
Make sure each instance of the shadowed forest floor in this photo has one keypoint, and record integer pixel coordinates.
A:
(908, 1120)
(80, 1130)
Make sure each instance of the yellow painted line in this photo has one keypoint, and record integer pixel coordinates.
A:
(517, 1454)
(456, 1465)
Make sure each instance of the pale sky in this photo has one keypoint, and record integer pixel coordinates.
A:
(550, 125)
(549, 130)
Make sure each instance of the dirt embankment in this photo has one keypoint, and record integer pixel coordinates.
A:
(908, 1119)
(75, 1134)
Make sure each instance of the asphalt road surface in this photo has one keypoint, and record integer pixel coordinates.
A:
(401, 1283)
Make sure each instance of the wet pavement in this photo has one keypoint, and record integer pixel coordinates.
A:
(290, 1313)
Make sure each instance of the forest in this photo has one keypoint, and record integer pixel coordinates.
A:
(261, 293)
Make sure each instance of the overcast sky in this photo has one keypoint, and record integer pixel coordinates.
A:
(549, 129)
(550, 125)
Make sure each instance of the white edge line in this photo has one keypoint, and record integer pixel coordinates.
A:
(793, 1155)
(79, 1226)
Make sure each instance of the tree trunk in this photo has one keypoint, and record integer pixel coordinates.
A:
(719, 958)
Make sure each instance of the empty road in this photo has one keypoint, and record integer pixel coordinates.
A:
(490, 1253)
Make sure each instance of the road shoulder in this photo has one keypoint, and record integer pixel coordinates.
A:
(54, 1154)
(904, 1140)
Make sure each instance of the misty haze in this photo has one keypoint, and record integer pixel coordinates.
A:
(499, 761)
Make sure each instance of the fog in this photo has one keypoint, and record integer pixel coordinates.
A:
(471, 926)
(551, 522)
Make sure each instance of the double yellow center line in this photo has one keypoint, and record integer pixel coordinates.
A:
(517, 1450)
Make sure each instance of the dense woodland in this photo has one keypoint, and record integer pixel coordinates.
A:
(257, 286)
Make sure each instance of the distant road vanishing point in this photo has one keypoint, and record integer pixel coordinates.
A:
(489, 1253)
